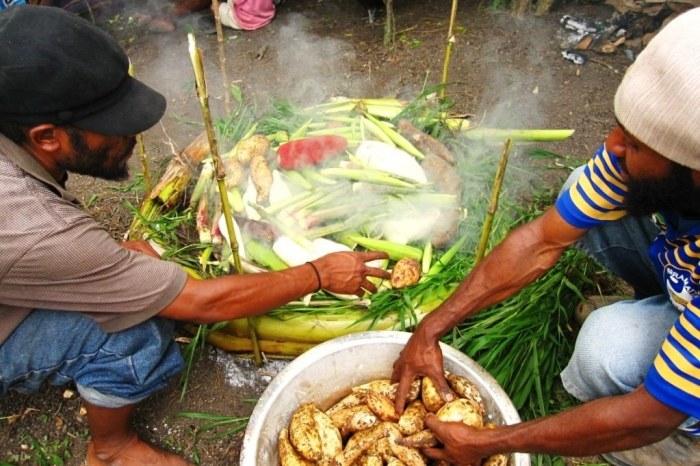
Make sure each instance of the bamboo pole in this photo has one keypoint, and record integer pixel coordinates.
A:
(493, 203)
(147, 182)
(222, 56)
(448, 50)
(219, 169)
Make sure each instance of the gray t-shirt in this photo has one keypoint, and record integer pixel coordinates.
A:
(55, 256)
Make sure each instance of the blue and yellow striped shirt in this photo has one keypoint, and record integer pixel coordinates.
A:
(597, 197)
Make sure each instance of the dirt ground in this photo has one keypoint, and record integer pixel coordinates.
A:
(506, 72)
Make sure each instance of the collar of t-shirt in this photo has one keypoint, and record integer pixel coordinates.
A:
(678, 225)
(33, 168)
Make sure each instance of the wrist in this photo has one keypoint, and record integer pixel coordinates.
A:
(432, 327)
(317, 275)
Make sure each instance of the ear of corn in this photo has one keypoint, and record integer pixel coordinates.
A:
(395, 251)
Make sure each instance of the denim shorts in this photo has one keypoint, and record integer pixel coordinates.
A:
(110, 369)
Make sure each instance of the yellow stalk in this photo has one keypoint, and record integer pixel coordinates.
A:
(219, 169)
(448, 50)
(222, 56)
(147, 183)
(498, 134)
(493, 204)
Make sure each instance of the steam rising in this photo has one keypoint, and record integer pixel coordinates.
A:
(311, 68)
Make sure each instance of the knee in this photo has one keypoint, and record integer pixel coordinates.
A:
(610, 357)
(132, 364)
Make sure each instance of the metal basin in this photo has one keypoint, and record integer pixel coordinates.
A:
(327, 372)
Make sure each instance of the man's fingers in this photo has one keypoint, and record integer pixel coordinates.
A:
(442, 386)
(434, 453)
(445, 390)
(396, 371)
(368, 256)
(402, 392)
(434, 424)
(369, 286)
(377, 272)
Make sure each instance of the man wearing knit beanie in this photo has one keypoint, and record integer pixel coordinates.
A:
(635, 207)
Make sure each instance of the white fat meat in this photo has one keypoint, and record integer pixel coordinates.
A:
(408, 227)
(293, 254)
(279, 190)
(385, 157)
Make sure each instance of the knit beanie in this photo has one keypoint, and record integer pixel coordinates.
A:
(658, 100)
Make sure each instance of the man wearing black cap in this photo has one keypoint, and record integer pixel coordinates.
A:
(74, 304)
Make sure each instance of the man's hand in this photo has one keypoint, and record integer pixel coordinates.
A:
(421, 356)
(347, 272)
(459, 442)
(141, 246)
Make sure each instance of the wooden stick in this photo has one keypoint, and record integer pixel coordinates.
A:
(219, 169)
(390, 23)
(222, 56)
(448, 50)
(147, 183)
(493, 204)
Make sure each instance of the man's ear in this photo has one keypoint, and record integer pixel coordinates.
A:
(615, 141)
(47, 138)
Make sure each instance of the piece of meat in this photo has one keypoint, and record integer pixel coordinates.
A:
(262, 178)
(424, 142)
(446, 179)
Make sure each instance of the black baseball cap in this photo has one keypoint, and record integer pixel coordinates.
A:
(59, 68)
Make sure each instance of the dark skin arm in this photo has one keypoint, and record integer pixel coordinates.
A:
(228, 297)
(234, 296)
(525, 255)
(607, 424)
(144, 247)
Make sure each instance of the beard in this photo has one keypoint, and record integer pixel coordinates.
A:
(675, 192)
(102, 162)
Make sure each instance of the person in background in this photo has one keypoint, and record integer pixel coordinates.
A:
(166, 21)
(75, 305)
(247, 15)
(636, 363)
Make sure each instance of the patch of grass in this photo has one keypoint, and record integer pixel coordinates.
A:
(213, 427)
(45, 451)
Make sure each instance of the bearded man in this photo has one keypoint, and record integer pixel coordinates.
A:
(75, 305)
(636, 364)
